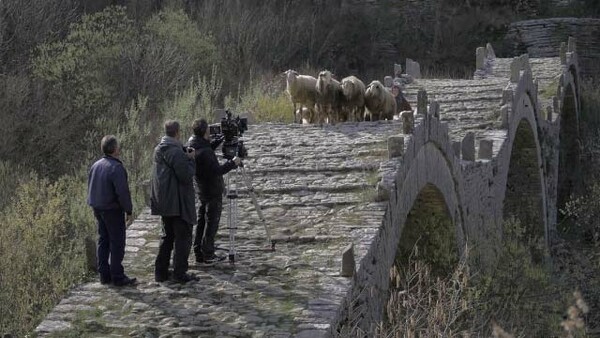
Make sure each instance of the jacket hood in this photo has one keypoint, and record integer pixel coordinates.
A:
(170, 141)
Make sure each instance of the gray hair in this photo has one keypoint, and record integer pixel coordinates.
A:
(109, 144)
(171, 128)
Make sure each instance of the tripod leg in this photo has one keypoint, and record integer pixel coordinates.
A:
(261, 217)
(231, 223)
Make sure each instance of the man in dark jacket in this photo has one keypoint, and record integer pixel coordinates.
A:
(108, 195)
(209, 188)
(173, 199)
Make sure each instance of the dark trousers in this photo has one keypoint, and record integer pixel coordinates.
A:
(177, 232)
(111, 243)
(209, 215)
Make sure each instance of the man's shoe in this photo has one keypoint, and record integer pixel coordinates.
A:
(211, 260)
(126, 282)
(161, 279)
(105, 281)
(184, 278)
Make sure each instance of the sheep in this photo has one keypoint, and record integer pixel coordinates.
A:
(379, 102)
(329, 97)
(354, 97)
(301, 90)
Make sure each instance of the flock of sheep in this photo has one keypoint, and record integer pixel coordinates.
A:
(326, 100)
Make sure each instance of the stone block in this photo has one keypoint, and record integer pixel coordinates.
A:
(434, 109)
(480, 58)
(571, 44)
(515, 70)
(468, 147)
(348, 263)
(408, 121)
(388, 81)
(563, 53)
(507, 96)
(524, 62)
(397, 70)
(504, 116)
(549, 113)
(486, 149)
(422, 102)
(395, 146)
(456, 148)
(90, 254)
(556, 104)
(413, 68)
(490, 51)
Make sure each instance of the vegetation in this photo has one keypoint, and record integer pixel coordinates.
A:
(72, 71)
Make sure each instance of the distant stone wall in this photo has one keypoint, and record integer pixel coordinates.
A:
(542, 38)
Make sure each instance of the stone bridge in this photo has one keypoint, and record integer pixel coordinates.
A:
(475, 153)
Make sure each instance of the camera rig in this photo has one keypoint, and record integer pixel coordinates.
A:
(232, 130)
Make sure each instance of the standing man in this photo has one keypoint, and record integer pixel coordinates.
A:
(209, 188)
(108, 195)
(173, 199)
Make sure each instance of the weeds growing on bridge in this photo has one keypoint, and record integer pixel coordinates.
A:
(519, 298)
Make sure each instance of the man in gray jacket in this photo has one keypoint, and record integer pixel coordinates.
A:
(173, 199)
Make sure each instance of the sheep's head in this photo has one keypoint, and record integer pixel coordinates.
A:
(347, 87)
(290, 75)
(325, 76)
(375, 88)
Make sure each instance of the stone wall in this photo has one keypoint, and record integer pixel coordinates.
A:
(542, 38)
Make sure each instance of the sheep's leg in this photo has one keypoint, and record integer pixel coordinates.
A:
(294, 103)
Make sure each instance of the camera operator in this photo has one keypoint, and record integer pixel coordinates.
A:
(209, 188)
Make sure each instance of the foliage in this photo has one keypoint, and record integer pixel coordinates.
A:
(198, 100)
(264, 100)
(84, 62)
(519, 296)
(41, 244)
(434, 237)
(515, 293)
(421, 305)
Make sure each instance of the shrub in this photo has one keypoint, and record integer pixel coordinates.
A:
(41, 245)
(265, 100)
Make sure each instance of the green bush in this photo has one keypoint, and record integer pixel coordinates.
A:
(41, 244)
(265, 100)
(519, 295)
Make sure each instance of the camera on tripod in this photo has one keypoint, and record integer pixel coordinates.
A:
(231, 129)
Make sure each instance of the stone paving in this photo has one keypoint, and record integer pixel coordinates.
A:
(316, 187)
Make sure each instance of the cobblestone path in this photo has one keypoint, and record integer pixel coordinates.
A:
(316, 187)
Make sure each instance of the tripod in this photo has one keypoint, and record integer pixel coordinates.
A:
(232, 197)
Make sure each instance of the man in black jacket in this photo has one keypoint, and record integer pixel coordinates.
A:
(108, 195)
(173, 199)
(209, 188)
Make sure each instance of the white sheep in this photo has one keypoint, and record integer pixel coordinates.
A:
(329, 97)
(354, 98)
(301, 90)
(380, 103)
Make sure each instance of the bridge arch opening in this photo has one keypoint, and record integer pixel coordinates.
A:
(569, 155)
(430, 233)
(524, 197)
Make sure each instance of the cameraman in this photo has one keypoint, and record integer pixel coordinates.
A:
(209, 188)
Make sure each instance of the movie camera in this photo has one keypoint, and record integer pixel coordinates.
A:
(231, 129)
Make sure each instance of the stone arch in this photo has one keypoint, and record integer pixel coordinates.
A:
(525, 190)
(429, 226)
(569, 155)
(429, 193)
